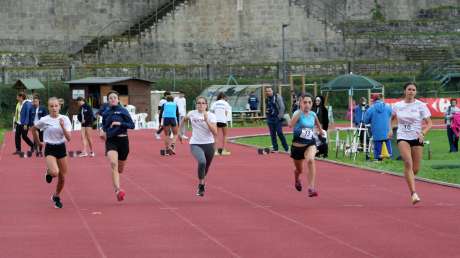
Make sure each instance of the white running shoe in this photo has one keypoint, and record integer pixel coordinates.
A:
(415, 198)
(83, 154)
(92, 154)
(157, 136)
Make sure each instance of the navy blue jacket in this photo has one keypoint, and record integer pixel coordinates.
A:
(116, 114)
(25, 112)
(275, 108)
(42, 111)
(87, 113)
(253, 102)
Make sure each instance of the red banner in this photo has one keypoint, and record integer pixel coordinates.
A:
(437, 106)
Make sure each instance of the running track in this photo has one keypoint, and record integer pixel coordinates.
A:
(250, 209)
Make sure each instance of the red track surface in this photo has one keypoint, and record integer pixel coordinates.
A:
(250, 209)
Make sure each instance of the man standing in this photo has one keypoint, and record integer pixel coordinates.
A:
(182, 105)
(21, 122)
(36, 112)
(253, 102)
(379, 116)
(275, 112)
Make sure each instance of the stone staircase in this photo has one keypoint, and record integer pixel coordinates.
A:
(134, 32)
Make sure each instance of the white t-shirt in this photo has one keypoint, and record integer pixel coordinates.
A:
(52, 131)
(181, 104)
(410, 117)
(162, 101)
(219, 108)
(201, 134)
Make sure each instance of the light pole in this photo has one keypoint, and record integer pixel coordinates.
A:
(283, 27)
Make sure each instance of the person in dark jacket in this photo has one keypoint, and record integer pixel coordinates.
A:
(379, 116)
(21, 122)
(321, 112)
(115, 124)
(86, 118)
(253, 102)
(36, 112)
(275, 113)
(358, 120)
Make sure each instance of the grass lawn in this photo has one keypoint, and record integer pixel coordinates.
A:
(438, 168)
(2, 134)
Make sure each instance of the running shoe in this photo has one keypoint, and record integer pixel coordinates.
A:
(92, 154)
(48, 177)
(57, 201)
(120, 195)
(298, 185)
(200, 191)
(83, 154)
(312, 193)
(184, 137)
(157, 136)
(225, 152)
(415, 198)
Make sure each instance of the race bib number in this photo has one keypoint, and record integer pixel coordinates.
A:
(407, 127)
(307, 133)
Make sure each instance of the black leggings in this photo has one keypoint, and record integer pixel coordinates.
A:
(22, 132)
(203, 153)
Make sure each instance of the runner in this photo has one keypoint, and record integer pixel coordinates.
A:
(56, 131)
(202, 141)
(303, 143)
(170, 114)
(160, 112)
(221, 109)
(409, 114)
(115, 124)
(86, 118)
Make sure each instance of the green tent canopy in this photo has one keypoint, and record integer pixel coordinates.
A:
(352, 82)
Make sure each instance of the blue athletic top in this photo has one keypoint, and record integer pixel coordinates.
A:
(303, 129)
(169, 110)
(116, 114)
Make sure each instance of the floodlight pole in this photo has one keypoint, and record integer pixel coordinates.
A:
(283, 27)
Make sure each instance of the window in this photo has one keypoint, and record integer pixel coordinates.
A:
(78, 93)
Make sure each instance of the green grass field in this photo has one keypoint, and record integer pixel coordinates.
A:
(441, 167)
(2, 134)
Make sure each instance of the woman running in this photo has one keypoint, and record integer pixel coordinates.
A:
(202, 141)
(115, 124)
(86, 118)
(170, 114)
(410, 113)
(303, 142)
(221, 109)
(56, 130)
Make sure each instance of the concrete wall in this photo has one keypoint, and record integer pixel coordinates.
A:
(64, 25)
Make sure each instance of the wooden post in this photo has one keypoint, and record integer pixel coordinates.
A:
(315, 89)
(383, 93)
(263, 101)
(303, 84)
(369, 96)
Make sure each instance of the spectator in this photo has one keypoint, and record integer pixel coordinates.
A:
(321, 112)
(275, 112)
(453, 139)
(358, 119)
(21, 122)
(86, 118)
(253, 102)
(36, 112)
(182, 105)
(379, 116)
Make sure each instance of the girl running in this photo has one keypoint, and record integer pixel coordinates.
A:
(56, 130)
(410, 113)
(202, 141)
(170, 114)
(303, 143)
(115, 124)
(221, 109)
(86, 118)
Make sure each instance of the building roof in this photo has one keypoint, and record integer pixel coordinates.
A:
(104, 80)
(29, 84)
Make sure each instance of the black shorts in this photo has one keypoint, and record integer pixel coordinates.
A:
(169, 121)
(56, 150)
(412, 143)
(87, 124)
(118, 144)
(298, 153)
(221, 125)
